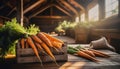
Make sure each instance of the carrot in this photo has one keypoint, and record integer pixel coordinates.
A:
(52, 38)
(38, 45)
(57, 44)
(32, 45)
(36, 38)
(47, 50)
(22, 42)
(26, 44)
(88, 52)
(84, 55)
(44, 39)
(99, 53)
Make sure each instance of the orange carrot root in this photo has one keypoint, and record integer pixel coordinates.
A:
(82, 54)
(22, 42)
(98, 53)
(32, 45)
(44, 39)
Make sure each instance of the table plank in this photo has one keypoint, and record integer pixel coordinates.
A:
(74, 62)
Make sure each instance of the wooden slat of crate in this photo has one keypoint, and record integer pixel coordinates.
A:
(44, 58)
(29, 51)
(28, 56)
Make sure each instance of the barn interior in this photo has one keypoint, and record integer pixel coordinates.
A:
(82, 21)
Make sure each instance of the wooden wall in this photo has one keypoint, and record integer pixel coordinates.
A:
(105, 23)
(47, 24)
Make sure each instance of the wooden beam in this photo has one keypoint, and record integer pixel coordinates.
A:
(101, 9)
(20, 11)
(52, 17)
(62, 5)
(64, 11)
(119, 8)
(5, 18)
(8, 4)
(77, 4)
(40, 10)
(33, 5)
(11, 11)
(69, 6)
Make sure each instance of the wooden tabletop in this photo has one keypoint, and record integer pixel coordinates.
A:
(74, 62)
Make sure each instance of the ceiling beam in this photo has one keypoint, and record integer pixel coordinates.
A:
(29, 8)
(64, 11)
(5, 18)
(33, 5)
(52, 17)
(69, 6)
(77, 4)
(62, 5)
(40, 10)
(12, 11)
(46, 7)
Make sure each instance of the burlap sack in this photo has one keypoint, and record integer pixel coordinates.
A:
(101, 43)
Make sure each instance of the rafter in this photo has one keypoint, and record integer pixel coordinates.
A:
(76, 4)
(5, 18)
(46, 7)
(69, 6)
(64, 11)
(40, 10)
(34, 5)
(52, 17)
(11, 11)
(62, 5)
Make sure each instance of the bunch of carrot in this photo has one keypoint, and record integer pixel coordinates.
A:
(90, 54)
(43, 42)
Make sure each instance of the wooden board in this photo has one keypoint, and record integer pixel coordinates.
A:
(73, 62)
(27, 55)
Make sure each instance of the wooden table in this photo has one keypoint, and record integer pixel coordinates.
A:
(73, 62)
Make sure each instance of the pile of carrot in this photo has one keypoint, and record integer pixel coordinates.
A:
(41, 42)
(89, 54)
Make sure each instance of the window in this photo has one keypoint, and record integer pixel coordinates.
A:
(77, 19)
(94, 13)
(111, 7)
(82, 17)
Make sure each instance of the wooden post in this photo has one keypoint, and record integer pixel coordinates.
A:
(119, 8)
(79, 17)
(101, 9)
(20, 11)
(86, 14)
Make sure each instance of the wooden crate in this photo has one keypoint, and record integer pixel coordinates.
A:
(27, 55)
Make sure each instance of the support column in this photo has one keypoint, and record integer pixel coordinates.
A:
(20, 11)
(119, 8)
(79, 16)
(86, 14)
(101, 9)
